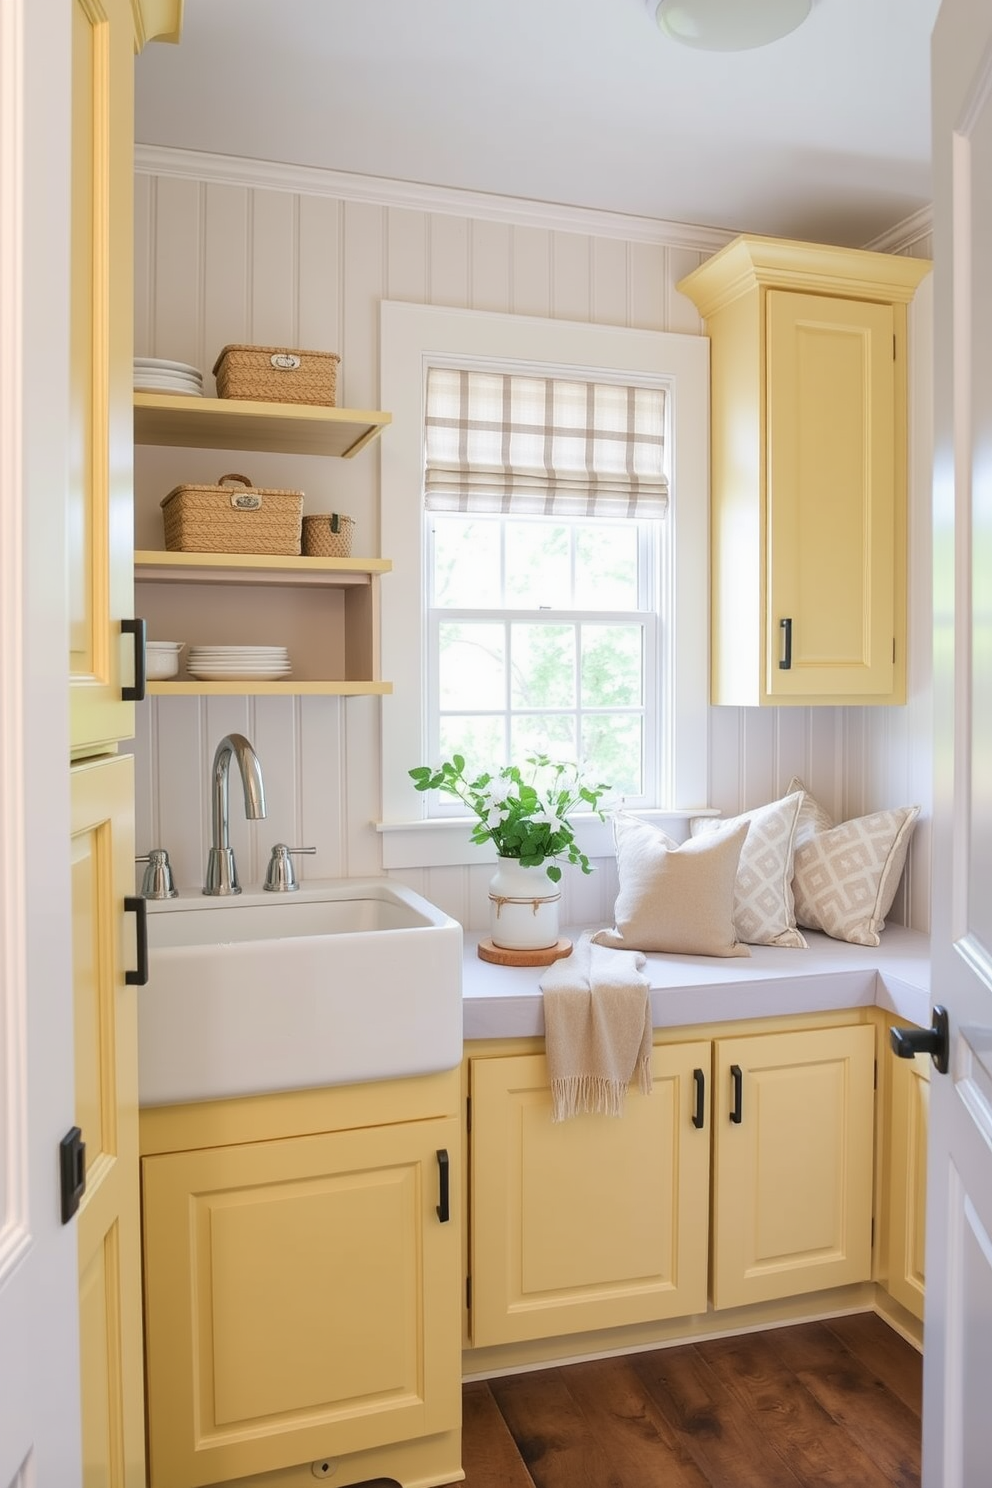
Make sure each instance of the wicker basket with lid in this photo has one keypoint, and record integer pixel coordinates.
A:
(232, 517)
(327, 535)
(277, 374)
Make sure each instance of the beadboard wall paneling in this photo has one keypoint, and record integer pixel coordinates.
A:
(221, 259)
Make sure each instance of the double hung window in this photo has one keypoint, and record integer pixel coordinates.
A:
(544, 501)
(544, 497)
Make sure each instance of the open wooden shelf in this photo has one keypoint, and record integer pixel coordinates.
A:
(236, 424)
(324, 610)
(247, 687)
(152, 565)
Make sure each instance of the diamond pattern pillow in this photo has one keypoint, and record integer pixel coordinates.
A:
(846, 876)
(673, 898)
(764, 912)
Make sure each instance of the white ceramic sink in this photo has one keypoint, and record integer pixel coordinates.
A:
(344, 981)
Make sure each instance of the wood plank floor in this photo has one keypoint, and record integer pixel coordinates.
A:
(817, 1405)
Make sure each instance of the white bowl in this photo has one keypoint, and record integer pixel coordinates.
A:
(162, 659)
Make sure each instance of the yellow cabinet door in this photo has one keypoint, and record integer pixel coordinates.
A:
(302, 1299)
(792, 1165)
(808, 420)
(106, 1070)
(100, 474)
(831, 521)
(593, 1222)
(909, 1108)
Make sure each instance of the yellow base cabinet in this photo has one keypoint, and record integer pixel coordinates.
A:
(593, 1222)
(909, 1107)
(808, 470)
(302, 1297)
(793, 1118)
(105, 1028)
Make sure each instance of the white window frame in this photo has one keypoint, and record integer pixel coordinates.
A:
(412, 337)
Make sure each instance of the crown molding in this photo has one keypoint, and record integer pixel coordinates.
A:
(234, 170)
(905, 234)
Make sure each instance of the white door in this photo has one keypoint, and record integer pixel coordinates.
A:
(957, 1429)
(39, 1409)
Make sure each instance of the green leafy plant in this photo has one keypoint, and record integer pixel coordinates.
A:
(523, 818)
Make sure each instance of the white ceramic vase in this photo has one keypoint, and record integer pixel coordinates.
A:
(523, 907)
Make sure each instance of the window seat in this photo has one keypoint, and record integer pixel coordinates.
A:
(505, 1001)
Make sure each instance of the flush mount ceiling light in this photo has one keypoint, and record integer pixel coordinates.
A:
(728, 25)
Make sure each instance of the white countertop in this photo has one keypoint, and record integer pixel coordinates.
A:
(505, 1001)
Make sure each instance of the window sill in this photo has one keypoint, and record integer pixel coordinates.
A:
(445, 842)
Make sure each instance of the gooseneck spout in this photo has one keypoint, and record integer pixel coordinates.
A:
(222, 875)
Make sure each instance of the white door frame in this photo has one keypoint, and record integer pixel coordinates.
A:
(39, 1370)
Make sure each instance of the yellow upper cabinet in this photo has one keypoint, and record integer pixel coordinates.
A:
(808, 470)
(105, 36)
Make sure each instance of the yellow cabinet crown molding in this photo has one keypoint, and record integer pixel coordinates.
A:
(156, 20)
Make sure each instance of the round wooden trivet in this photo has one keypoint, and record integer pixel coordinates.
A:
(503, 956)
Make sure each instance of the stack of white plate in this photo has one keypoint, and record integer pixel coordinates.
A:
(156, 375)
(231, 663)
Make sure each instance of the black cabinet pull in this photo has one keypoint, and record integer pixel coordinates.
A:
(699, 1114)
(785, 626)
(135, 902)
(137, 629)
(443, 1210)
(935, 1041)
(737, 1109)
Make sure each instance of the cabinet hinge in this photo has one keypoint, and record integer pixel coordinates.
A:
(873, 1233)
(468, 1293)
(468, 1113)
(893, 648)
(893, 347)
(875, 1077)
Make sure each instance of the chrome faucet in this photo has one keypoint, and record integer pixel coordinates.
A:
(222, 875)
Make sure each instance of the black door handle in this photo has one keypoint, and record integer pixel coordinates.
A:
(699, 1114)
(935, 1041)
(135, 903)
(72, 1172)
(137, 629)
(737, 1110)
(443, 1209)
(785, 664)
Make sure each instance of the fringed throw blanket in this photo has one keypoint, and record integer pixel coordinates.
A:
(597, 1022)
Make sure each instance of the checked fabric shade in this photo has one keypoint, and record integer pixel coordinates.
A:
(543, 446)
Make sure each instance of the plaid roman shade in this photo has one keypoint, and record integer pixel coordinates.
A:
(543, 446)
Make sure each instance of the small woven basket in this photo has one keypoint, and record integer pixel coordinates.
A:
(328, 535)
(232, 517)
(276, 374)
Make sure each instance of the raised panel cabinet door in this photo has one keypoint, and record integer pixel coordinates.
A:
(302, 1299)
(909, 1110)
(792, 1177)
(830, 484)
(593, 1222)
(100, 467)
(809, 410)
(106, 1069)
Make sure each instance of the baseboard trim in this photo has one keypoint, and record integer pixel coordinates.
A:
(541, 1353)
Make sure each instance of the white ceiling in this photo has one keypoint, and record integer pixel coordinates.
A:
(824, 135)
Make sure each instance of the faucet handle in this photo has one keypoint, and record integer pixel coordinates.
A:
(281, 875)
(157, 882)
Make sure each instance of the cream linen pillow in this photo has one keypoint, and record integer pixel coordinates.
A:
(764, 912)
(673, 898)
(846, 876)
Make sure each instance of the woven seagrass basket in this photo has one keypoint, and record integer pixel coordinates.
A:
(328, 535)
(277, 374)
(232, 517)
